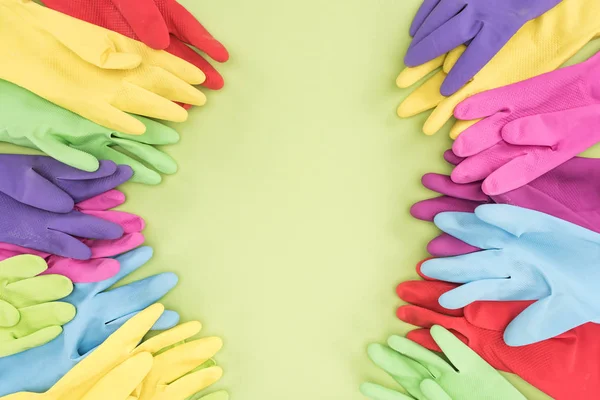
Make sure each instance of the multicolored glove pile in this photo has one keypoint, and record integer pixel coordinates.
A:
(515, 279)
(79, 83)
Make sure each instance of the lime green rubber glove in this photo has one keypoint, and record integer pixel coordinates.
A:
(220, 395)
(29, 314)
(92, 71)
(31, 121)
(541, 45)
(426, 376)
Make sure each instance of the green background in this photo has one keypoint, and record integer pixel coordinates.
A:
(288, 220)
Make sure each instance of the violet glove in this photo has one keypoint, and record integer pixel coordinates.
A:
(100, 266)
(50, 185)
(442, 25)
(570, 192)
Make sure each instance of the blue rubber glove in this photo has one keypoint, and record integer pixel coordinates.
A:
(527, 255)
(100, 312)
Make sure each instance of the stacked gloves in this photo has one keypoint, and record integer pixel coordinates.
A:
(515, 276)
(82, 81)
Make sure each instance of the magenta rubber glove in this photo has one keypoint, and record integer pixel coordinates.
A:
(442, 25)
(50, 185)
(570, 192)
(101, 265)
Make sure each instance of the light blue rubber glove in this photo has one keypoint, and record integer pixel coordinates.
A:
(100, 312)
(527, 255)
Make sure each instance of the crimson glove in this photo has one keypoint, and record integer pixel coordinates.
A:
(565, 367)
(161, 24)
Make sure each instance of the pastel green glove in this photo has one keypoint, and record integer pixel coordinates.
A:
(426, 376)
(29, 314)
(92, 71)
(31, 121)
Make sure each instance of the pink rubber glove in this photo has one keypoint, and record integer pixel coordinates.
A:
(529, 127)
(99, 267)
(570, 192)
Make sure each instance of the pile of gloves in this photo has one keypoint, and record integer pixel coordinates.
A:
(513, 285)
(79, 82)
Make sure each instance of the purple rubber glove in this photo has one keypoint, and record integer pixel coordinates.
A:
(570, 191)
(50, 185)
(485, 25)
(530, 147)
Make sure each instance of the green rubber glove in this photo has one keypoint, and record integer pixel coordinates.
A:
(29, 314)
(426, 376)
(31, 121)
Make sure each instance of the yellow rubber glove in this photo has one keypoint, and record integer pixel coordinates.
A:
(540, 46)
(92, 71)
(178, 372)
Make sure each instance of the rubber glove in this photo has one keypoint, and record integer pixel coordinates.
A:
(530, 147)
(179, 371)
(50, 185)
(161, 24)
(565, 89)
(30, 316)
(540, 46)
(108, 74)
(99, 267)
(527, 255)
(100, 312)
(112, 371)
(442, 25)
(30, 121)
(426, 376)
(569, 363)
(570, 192)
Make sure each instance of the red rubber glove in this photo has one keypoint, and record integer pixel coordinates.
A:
(566, 367)
(161, 24)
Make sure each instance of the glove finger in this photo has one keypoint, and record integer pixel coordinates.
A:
(481, 136)
(214, 80)
(62, 244)
(422, 14)
(179, 68)
(442, 113)
(36, 339)
(89, 271)
(130, 223)
(21, 266)
(136, 296)
(150, 155)
(9, 315)
(146, 21)
(168, 85)
(187, 28)
(102, 202)
(467, 268)
(121, 381)
(85, 226)
(138, 100)
(419, 354)
(113, 117)
(64, 153)
(424, 98)
(41, 316)
(479, 52)
(426, 294)
(452, 158)
(488, 103)
(433, 391)
(443, 184)
(460, 126)
(459, 354)
(156, 133)
(423, 337)
(194, 382)
(112, 248)
(141, 173)
(378, 392)
(183, 359)
(436, 39)
(406, 371)
(448, 246)
(426, 210)
(83, 190)
(494, 316)
(480, 166)
(170, 337)
(129, 263)
(538, 130)
(37, 290)
(545, 319)
(496, 289)
(167, 320)
(411, 75)
(425, 318)
(471, 230)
